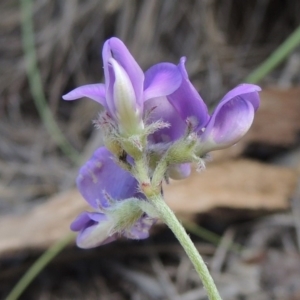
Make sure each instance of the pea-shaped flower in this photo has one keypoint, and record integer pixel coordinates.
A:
(230, 120)
(126, 88)
(106, 187)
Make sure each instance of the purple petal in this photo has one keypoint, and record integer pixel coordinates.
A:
(180, 171)
(93, 91)
(115, 48)
(140, 230)
(94, 230)
(85, 219)
(123, 102)
(101, 174)
(187, 101)
(161, 80)
(162, 110)
(228, 124)
(248, 92)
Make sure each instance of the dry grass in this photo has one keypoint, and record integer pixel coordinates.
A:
(223, 41)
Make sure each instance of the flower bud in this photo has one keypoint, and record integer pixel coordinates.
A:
(121, 94)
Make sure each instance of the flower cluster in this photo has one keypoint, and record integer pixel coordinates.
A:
(154, 125)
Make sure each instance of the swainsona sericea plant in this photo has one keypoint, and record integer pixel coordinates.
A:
(154, 126)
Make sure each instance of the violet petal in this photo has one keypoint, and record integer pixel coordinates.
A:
(187, 101)
(101, 174)
(248, 92)
(93, 91)
(121, 54)
(109, 82)
(161, 80)
(140, 230)
(162, 110)
(85, 218)
(228, 124)
(94, 230)
(179, 171)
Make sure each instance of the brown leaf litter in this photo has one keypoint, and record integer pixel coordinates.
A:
(234, 184)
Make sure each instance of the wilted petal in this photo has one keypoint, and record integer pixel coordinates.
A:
(187, 101)
(161, 80)
(228, 124)
(93, 91)
(180, 171)
(101, 174)
(162, 110)
(94, 230)
(248, 92)
(140, 230)
(116, 49)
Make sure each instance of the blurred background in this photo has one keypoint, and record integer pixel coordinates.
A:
(243, 212)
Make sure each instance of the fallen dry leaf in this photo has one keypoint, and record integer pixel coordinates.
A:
(278, 119)
(243, 184)
(236, 184)
(42, 226)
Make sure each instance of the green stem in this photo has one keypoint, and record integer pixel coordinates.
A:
(35, 82)
(275, 58)
(167, 215)
(141, 170)
(38, 266)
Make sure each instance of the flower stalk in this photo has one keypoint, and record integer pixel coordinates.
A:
(169, 218)
(155, 125)
(158, 208)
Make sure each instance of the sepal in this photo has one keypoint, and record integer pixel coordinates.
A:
(121, 218)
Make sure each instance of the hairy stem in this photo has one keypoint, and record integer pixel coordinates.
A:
(167, 215)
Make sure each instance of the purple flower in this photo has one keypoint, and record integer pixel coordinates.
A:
(162, 109)
(126, 88)
(100, 180)
(230, 120)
